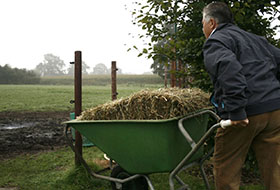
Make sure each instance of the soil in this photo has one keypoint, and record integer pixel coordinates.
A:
(31, 132)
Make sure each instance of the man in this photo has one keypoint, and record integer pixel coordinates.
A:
(244, 69)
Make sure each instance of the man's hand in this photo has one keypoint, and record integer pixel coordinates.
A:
(241, 123)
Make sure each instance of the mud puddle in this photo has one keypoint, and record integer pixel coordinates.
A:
(22, 132)
(15, 126)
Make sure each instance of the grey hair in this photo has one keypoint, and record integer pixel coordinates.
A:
(218, 11)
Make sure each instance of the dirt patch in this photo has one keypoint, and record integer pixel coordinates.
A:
(26, 132)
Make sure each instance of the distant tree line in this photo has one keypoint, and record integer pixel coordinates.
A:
(10, 75)
(53, 66)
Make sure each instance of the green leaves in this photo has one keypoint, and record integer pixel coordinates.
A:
(145, 50)
(175, 27)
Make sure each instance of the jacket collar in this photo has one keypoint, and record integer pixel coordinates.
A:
(220, 26)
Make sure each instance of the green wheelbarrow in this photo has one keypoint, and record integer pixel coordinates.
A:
(143, 147)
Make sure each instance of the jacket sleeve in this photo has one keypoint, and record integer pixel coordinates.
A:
(222, 64)
(276, 54)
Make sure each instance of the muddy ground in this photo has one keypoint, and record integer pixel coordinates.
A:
(28, 132)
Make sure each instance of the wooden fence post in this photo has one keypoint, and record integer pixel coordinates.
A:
(78, 102)
(114, 80)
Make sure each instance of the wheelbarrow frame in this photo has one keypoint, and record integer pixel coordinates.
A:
(180, 167)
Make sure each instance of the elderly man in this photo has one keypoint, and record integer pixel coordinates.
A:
(244, 69)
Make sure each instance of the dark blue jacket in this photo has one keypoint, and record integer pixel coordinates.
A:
(244, 69)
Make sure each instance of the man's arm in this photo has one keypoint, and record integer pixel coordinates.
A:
(276, 54)
(222, 63)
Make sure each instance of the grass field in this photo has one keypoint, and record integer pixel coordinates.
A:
(55, 169)
(55, 93)
(101, 80)
(57, 97)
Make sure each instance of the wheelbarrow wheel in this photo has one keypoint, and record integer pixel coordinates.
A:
(136, 184)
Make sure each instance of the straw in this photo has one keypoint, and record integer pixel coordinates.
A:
(163, 103)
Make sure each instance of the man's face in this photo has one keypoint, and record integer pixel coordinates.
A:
(208, 27)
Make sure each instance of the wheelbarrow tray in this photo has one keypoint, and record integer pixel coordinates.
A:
(144, 146)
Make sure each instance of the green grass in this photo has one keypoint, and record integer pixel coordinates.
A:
(56, 170)
(51, 170)
(101, 80)
(57, 97)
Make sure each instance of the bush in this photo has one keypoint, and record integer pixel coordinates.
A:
(9, 75)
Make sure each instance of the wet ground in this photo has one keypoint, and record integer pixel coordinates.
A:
(26, 132)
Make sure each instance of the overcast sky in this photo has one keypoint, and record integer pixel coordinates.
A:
(100, 29)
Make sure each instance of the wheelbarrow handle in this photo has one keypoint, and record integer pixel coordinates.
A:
(183, 130)
(225, 123)
(195, 146)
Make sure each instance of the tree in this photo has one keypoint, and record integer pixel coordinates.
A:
(85, 67)
(10, 75)
(185, 43)
(119, 71)
(159, 68)
(161, 59)
(100, 69)
(177, 23)
(51, 66)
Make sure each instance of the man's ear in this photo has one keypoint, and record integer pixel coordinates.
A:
(213, 23)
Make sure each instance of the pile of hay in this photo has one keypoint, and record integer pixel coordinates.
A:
(163, 103)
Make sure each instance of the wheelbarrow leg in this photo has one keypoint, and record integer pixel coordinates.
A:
(195, 146)
(151, 187)
(205, 179)
(183, 185)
